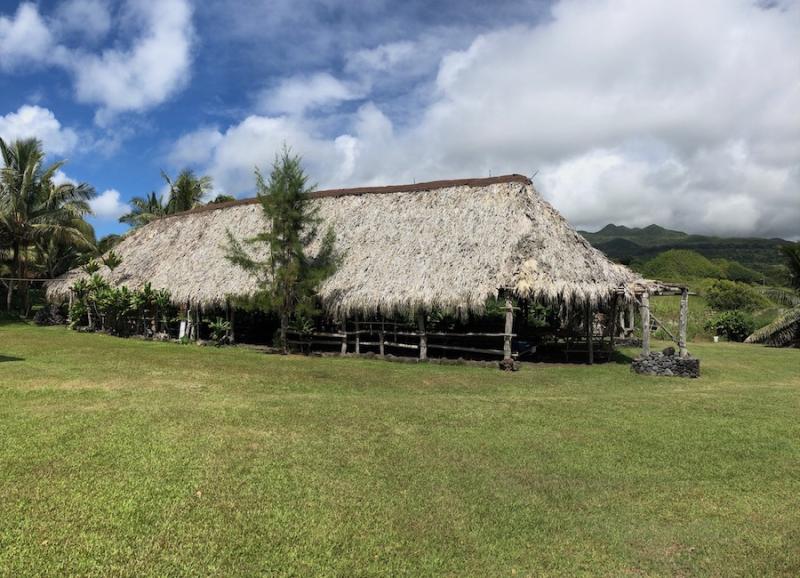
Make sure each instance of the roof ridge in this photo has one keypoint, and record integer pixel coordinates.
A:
(383, 189)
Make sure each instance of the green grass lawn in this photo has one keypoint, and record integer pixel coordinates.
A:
(129, 458)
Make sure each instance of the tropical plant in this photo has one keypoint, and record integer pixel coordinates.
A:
(108, 242)
(289, 275)
(144, 210)
(33, 208)
(220, 331)
(111, 260)
(161, 301)
(222, 199)
(186, 191)
(735, 325)
(786, 328)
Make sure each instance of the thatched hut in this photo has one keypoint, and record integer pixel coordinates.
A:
(443, 245)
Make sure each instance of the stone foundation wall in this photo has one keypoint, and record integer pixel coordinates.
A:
(666, 363)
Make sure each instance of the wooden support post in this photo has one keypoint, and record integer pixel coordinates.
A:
(644, 311)
(423, 337)
(197, 323)
(684, 322)
(383, 338)
(509, 329)
(344, 335)
(358, 336)
(187, 332)
(69, 311)
(589, 320)
(614, 318)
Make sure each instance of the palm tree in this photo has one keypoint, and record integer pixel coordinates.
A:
(186, 191)
(144, 210)
(33, 208)
(786, 328)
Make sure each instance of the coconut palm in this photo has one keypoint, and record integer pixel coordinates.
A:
(186, 191)
(786, 328)
(144, 210)
(33, 208)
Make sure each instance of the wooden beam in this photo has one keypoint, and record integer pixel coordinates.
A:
(684, 323)
(423, 338)
(644, 311)
(509, 329)
(344, 336)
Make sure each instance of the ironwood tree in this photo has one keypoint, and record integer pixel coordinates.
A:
(291, 272)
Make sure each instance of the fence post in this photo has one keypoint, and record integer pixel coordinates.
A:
(423, 337)
(509, 329)
(344, 335)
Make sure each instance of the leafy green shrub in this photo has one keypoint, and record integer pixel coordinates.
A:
(220, 331)
(726, 295)
(735, 325)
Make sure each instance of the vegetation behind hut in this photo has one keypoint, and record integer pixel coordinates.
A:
(290, 275)
(42, 227)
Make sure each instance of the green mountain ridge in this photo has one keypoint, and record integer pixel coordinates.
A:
(636, 245)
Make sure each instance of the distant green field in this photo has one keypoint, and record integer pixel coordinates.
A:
(667, 309)
(131, 458)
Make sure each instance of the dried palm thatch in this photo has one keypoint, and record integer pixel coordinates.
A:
(448, 245)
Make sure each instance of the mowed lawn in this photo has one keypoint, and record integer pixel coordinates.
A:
(127, 458)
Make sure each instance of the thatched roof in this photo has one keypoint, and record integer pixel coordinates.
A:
(444, 244)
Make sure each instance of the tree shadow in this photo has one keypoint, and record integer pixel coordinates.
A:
(8, 358)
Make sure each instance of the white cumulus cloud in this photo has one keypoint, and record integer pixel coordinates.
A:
(108, 205)
(298, 94)
(34, 121)
(24, 37)
(151, 67)
(636, 111)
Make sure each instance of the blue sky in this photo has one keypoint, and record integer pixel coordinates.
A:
(682, 113)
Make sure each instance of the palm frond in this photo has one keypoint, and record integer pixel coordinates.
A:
(784, 297)
(780, 332)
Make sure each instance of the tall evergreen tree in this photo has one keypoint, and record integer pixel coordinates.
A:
(289, 275)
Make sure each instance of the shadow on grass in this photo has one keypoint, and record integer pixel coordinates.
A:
(7, 358)
(620, 358)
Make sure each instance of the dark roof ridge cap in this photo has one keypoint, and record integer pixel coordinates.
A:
(409, 188)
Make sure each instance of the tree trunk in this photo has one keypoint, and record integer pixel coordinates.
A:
(15, 259)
